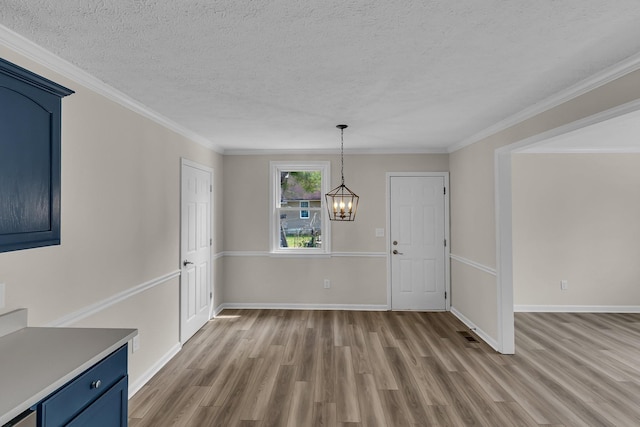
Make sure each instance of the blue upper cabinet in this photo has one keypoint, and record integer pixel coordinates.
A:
(30, 109)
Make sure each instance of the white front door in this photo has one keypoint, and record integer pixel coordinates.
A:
(417, 234)
(195, 249)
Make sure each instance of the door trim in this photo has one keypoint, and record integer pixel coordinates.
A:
(447, 264)
(186, 162)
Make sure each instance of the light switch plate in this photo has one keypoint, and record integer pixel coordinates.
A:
(379, 232)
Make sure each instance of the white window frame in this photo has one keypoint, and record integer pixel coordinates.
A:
(276, 167)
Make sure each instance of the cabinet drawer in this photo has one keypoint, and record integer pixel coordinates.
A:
(59, 408)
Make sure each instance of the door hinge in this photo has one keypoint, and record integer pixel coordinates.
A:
(445, 191)
(445, 243)
(210, 242)
(210, 188)
(445, 295)
(211, 295)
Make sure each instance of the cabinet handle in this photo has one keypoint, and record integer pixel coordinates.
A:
(96, 384)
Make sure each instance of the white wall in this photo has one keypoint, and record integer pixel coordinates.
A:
(251, 276)
(576, 217)
(120, 225)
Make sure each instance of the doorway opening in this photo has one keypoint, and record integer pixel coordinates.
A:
(564, 137)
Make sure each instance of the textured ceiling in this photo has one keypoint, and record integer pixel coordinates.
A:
(405, 75)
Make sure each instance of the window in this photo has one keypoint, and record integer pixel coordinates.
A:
(299, 220)
(304, 213)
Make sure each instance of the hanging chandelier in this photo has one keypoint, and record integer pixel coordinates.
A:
(342, 203)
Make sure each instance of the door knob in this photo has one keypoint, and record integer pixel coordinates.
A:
(185, 263)
(395, 242)
(395, 252)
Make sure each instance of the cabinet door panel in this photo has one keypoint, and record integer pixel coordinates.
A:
(110, 410)
(30, 149)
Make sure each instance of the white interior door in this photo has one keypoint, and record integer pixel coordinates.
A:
(195, 249)
(417, 234)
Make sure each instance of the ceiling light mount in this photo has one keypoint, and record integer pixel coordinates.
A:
(342, 203)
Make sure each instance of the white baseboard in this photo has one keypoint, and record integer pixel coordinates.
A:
(482, 334)
(218, 309)
(140, 382)
(308, 256)
(576, 308)
(277, 306)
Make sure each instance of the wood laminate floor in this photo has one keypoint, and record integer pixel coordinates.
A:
(341, 368)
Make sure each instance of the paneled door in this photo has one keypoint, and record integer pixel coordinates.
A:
(418, 246)
(195, 249)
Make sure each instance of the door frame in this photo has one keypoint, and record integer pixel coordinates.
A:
(447, 263)
(186, 162)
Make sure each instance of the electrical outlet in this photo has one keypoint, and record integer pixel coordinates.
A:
(136, 344)
(2, 295)
(327, 283)
(564, 285)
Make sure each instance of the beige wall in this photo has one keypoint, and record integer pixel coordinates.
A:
(473, 194)
(120, 223)
(576, 218)
(355, 280)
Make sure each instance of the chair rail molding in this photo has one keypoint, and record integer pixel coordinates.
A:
(473, 264)
(89, 310)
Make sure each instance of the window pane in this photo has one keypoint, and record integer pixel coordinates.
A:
(298, 210)
(297, 186)
(298, 232)
(300, 191)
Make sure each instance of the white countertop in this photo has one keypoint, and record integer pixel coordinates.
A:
(35, 362)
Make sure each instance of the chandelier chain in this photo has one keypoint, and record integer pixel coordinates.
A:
(342, 155)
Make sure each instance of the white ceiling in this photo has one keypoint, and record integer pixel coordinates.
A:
(406, 75)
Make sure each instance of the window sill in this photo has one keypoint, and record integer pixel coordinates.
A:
(297, 254)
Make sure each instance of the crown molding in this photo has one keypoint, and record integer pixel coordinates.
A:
(38, 54)
(30, 50)
(32, 79)
(605, 76)
(356, 151)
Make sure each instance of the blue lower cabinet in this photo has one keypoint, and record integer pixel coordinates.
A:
(97, 397)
